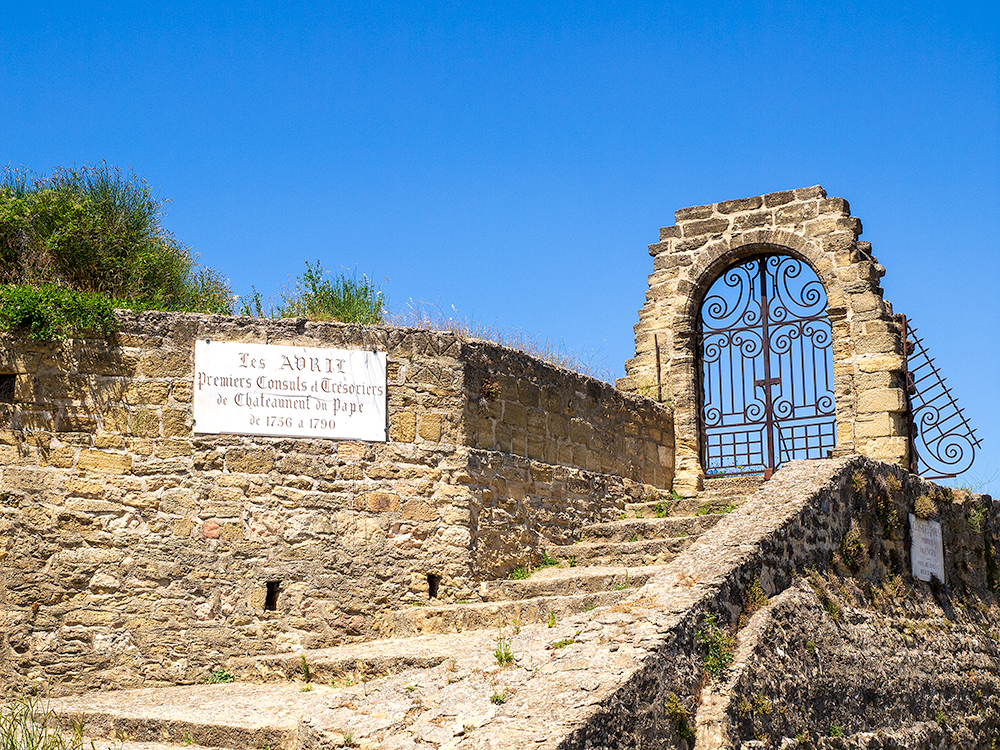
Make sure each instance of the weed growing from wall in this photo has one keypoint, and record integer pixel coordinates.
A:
(719, 643)
(678, 714)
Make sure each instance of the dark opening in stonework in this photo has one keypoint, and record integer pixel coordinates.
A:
(271, 602)
(7, 389)
(433, 582)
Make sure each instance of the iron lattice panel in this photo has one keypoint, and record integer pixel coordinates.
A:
(942, 442)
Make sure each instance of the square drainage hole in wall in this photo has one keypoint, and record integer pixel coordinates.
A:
(433, 582)
(7, 388)
(271, 602)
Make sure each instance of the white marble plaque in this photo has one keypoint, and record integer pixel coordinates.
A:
(927, 549)
(289, 391)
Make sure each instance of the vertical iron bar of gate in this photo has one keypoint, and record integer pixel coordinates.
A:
(766, 340)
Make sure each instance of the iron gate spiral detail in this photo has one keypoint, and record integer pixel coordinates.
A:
(766, 368)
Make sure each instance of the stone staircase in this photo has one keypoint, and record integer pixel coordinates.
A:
(266, 707)
(605, 566)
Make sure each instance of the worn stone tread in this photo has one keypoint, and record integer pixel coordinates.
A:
(109, 743)
(453, 618)
(367, 659)
(566, 581)
(642, 552)
(648, 528)
(233, 715)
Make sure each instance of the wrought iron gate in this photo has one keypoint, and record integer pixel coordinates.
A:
(766, 368)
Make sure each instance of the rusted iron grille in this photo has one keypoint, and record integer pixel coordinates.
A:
(766, 368)
(942, 442)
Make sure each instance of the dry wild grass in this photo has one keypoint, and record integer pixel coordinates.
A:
(431, 317)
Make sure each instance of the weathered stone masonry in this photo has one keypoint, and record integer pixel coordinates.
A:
(868, 358)
(133, 551)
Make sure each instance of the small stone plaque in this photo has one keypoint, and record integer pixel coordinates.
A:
(289, 391)
(926, 550)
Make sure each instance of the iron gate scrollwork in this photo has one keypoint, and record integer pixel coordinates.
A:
(942, 442)
(766, 368)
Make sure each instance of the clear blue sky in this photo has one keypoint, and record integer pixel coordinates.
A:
(514, 159)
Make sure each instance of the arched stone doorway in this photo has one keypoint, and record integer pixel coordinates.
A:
(867, 348)
(765, 367)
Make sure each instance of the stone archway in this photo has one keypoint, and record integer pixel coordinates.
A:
(868, 361)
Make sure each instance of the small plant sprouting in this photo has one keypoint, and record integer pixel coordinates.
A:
(626, 584)
(307, 688)
(520, 573)
(661, 508)
(572, 562)
(858, 482)
(941, 719)
(976, 517)
(187, 739)
(924, 507)
(500, 696)
(546, 561)
(677, 713)
(836, 731)
(638, 512)
(852, 549)
(634, 538)
(754, 598)
(561, 643)
(349, 738)
(720, 645)
(811, 647)
(306, 675)
(551, 621)
(503, 653)
(218, 676)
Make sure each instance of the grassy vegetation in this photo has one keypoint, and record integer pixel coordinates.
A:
(318, 295)
(422, 315)
(25, 726)
(81, 241)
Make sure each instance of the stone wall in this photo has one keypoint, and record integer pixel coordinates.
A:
(523, 406)
(135, 551)
(868, 358)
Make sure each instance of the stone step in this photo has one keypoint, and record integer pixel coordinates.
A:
(232, 715)
(653, 509)
(455, 618)
(114, 743)
(621, 554)
(567, 581)
(634, 529)
(747, 484)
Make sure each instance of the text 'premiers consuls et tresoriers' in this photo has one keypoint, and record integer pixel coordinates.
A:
(289, 391)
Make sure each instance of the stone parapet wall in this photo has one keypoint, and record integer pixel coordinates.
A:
(868, 359)
(134, 551)
(521, 405)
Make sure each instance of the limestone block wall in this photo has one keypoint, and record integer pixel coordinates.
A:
(134, 551)
(868, 358)
(521, 405)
